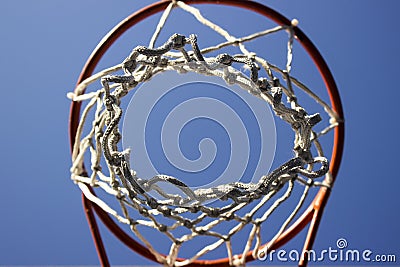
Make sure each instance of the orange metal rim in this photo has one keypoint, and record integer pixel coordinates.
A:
(320, 199)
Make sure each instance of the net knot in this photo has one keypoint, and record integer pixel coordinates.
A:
(178, 41)
(188, 224)
(164, 210)
(224, 59)
(152, 203)
(162, 228)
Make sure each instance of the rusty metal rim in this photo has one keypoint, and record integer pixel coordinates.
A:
(313, 213)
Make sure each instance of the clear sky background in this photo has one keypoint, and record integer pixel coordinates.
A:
(44, 45)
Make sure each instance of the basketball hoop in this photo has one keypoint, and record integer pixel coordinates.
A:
(96, 143)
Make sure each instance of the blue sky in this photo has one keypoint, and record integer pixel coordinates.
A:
(44, 45)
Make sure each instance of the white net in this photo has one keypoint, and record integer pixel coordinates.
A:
(187, 215)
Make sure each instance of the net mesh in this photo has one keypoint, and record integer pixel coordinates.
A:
(241, 203)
